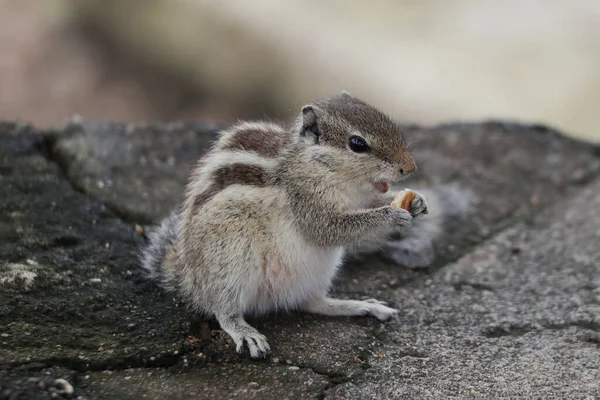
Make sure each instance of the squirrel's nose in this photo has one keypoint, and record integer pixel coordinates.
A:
(408, 166)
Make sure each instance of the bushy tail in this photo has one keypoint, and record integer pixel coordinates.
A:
(444, 201)
(159, 252)
(414, 247)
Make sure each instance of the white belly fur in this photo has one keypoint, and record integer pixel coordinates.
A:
(292, 271)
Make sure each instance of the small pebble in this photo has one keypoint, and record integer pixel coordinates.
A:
(293, 368)
(64, 386)
(95, 280)
(253, 384)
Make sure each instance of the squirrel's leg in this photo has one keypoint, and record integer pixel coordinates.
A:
(241, 332)
(338, 307)
(337, 229)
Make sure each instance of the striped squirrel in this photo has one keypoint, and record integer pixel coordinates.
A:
(269, 212)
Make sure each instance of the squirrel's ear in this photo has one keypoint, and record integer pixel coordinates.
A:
(310, 128)
(309, 114)
(343, 93)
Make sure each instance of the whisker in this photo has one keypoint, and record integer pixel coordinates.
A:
(413, 141)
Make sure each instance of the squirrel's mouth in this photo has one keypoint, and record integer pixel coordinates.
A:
(382, 186)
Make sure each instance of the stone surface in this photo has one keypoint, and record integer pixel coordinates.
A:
(67, 278)
(244, 381)
(138, 172)
(512, 305)
(519, 316)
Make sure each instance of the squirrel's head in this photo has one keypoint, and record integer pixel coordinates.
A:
(356, 141)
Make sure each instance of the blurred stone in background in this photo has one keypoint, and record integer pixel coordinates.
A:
(423, 62)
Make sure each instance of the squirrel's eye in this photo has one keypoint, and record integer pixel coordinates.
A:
(358, 144)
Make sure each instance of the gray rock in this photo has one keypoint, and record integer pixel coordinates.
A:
(517, 317)
(510, 307)
(138, 172)
(243, 381)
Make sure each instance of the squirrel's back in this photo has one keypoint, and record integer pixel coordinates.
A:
(243, 154)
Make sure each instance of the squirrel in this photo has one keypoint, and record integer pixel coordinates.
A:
(269, 211)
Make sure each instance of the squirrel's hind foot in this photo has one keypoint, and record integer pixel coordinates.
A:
(337, 307)
(242, 333)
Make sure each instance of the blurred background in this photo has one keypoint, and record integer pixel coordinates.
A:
(421, 61)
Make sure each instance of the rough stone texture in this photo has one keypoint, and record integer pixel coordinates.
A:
(511, 307)
(138, 172)
(246, 381)
(519, 316)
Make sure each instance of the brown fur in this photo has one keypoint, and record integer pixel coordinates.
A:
(240, 174)
(202, 198)
(265, 142)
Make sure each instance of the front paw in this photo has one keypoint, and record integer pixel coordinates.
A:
(399, 217)
(418, 207)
